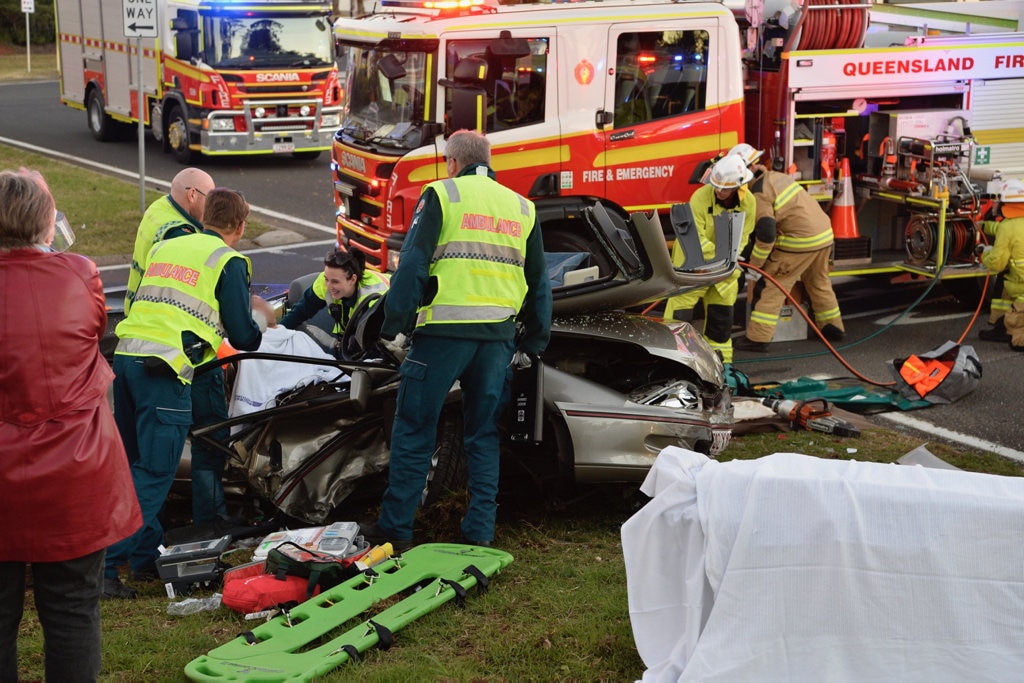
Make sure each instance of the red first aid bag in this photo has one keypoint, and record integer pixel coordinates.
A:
(263, 591)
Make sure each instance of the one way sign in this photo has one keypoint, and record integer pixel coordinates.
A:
(139, 18)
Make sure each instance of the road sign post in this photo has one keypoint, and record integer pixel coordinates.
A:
(28, 7)
(140, 17)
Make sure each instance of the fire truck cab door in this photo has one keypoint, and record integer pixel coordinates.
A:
(658, 118)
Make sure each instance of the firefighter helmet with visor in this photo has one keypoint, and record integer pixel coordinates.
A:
(748, 153)
(729, 173)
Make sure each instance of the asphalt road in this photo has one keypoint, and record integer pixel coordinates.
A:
(297, 194)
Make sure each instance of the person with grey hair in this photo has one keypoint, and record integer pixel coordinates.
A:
(65, 489)
(472, 268)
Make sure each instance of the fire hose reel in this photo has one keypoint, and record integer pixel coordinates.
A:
(922, 237)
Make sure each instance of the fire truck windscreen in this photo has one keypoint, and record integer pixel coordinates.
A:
(240, 42)
(386, 96)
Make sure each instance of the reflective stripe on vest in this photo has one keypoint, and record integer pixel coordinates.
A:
(480, 254)
(178, 294)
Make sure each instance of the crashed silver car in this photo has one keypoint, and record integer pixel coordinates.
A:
(618, 387)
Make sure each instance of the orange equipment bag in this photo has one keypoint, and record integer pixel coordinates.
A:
(924, 375)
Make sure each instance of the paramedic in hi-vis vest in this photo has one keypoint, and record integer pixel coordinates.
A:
(342, 285)
(1006, 257)
(726, 190)
(193, 294)
(471, 269)
(802, 253)
(176, 214)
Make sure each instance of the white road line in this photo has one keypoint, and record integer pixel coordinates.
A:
(950, 435)
(166, 186)
(913, 319)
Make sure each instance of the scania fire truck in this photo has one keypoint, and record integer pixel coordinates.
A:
(218, 76)
(628, 100)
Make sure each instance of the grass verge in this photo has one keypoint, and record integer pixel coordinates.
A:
(559, 612)
(103, 211)
(40, 63)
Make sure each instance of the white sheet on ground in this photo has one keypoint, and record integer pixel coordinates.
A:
(795, 568)
(259, 382)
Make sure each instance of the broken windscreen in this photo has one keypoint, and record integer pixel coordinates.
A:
(384, 96)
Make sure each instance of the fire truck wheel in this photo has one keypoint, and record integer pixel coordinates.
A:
(177, 135)
(103, 127)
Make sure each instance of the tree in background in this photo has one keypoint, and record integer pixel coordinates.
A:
(42, 25)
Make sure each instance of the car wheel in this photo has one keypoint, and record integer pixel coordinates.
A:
(448, 464)
(177, 135)
(102, 127)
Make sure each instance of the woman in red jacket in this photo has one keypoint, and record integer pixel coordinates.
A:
(65, 488)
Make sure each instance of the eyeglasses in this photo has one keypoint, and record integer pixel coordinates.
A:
(201, 193)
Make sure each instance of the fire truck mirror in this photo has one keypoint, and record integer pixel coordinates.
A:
(391, 67)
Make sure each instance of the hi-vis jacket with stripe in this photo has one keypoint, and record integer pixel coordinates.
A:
(178, 295)
(418, 282)
(801, 224)
(481, 252)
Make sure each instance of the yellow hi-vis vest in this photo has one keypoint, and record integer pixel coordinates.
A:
(480, 254)
(178, 293)
(371, 282)
(160, 217)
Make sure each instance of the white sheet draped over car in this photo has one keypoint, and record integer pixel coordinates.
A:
(796, 568)
(259, 381)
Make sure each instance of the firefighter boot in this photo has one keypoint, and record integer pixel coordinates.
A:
(996, 333)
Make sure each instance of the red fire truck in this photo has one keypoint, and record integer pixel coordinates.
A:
(627, 100)
(218, 76)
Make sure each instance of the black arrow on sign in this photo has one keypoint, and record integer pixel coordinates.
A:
(136, 27)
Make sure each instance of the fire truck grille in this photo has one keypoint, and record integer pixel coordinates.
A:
(292, 90)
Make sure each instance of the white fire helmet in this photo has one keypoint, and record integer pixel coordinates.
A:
(749, 154)
(729, 172)
(1012, 192)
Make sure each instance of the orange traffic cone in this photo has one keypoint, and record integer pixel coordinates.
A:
(844, 214)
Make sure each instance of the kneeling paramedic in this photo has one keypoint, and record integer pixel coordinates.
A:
(343, 284)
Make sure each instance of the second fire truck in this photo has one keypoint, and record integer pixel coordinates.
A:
(219, 77)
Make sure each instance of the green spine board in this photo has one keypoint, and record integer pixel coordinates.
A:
(282, 653)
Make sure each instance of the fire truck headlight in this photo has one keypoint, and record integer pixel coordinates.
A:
(222, 124)
(304, 110)
(330, 121)
(259, 112)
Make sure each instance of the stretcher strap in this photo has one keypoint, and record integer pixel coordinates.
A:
(482, 583)
(385, 637)
(460, 591)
